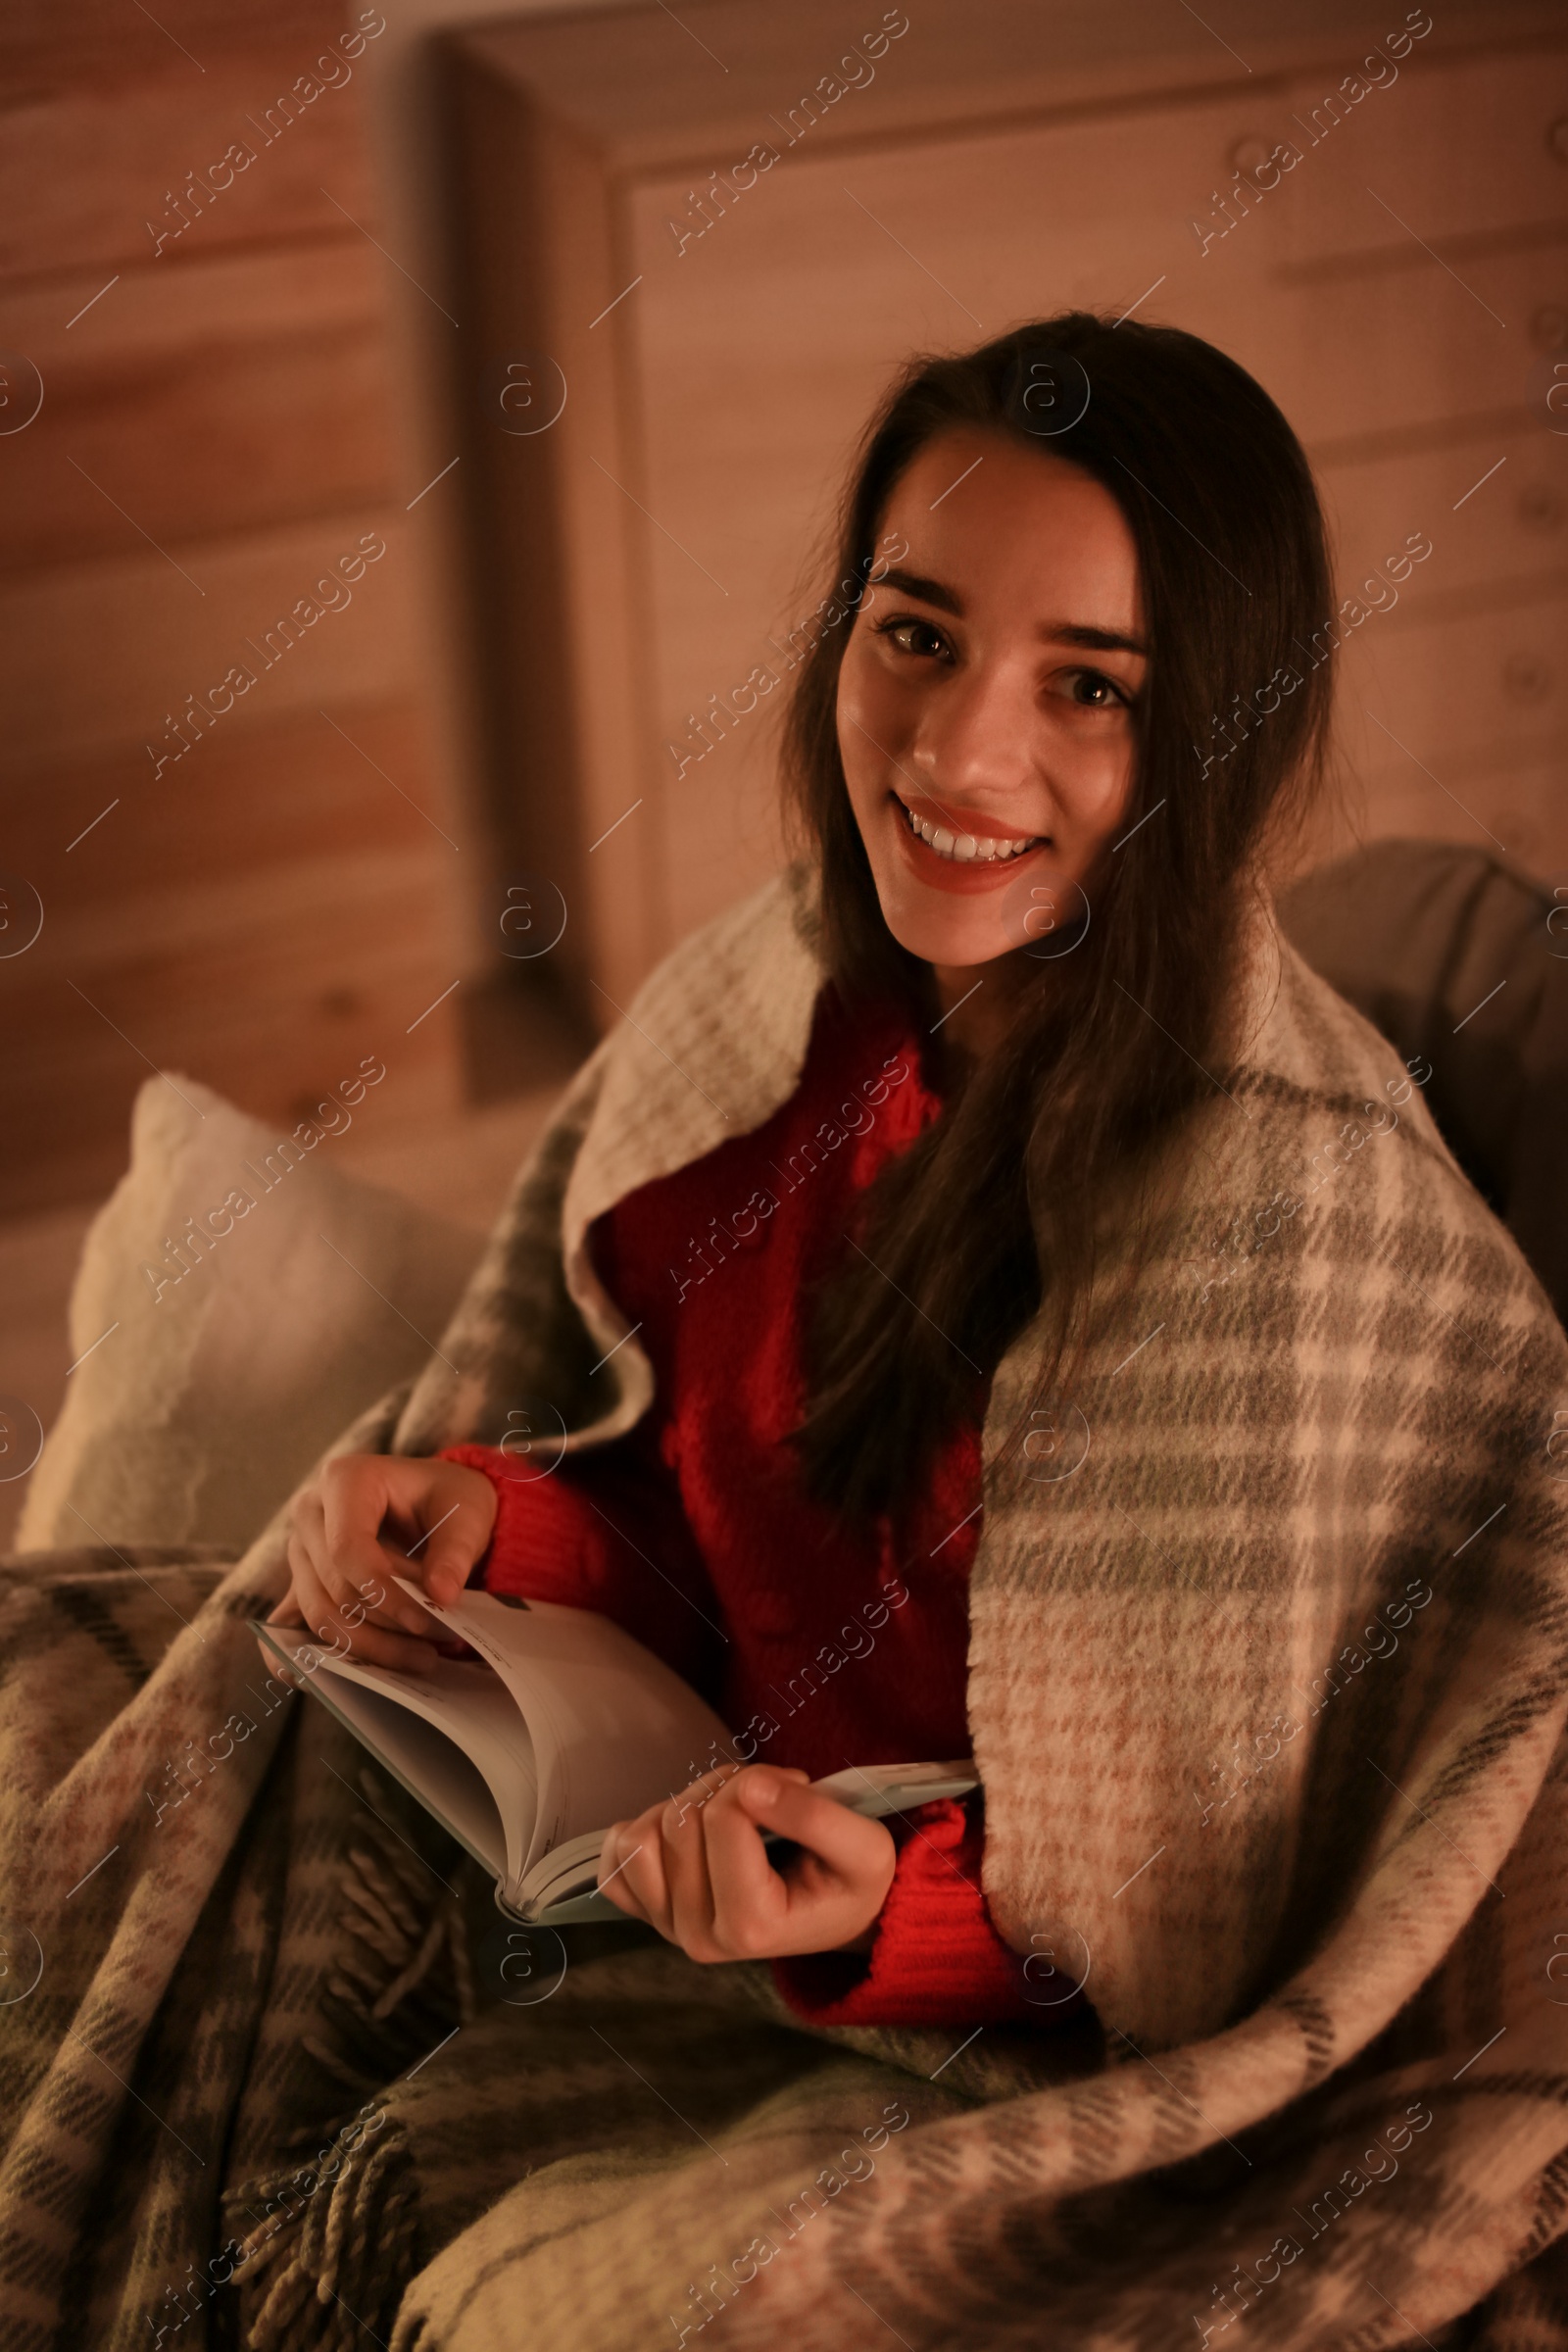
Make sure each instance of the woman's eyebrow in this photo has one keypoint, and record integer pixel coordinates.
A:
(1092, 640)
(927, 592)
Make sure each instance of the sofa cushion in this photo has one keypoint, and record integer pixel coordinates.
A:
(199, 1397)
(1462, 959)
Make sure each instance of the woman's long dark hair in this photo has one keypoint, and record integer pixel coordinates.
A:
(993, 1212)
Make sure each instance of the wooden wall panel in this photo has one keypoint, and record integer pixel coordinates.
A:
(313, 924)
(84, 169)
(1511, 528)
(1484, 690)
(262, 896)
(98, 654)
(1409, 351)
(301, 797)
(77, 1059)
(100, 44)
(1505, 811)
(233, 395)
(1404, 354)
(1460, 156)
(299, 788)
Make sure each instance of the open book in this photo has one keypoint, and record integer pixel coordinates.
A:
(562, 1726)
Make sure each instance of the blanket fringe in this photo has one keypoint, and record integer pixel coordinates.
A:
(343, 2262)
(404, 1978)
(328, 2261)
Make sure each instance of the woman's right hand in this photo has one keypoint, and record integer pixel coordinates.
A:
(364, 1516)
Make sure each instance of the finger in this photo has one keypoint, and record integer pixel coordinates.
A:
(306, 1598)
(832, 1890)
(618, 1843)
(361, 1638)
(358, 1572)
(685, 1855)
(843, 1840)
(312, 1602)
(287, 1617)
(385, 1600)
(447, 1546)
(445, 1514)
(679, 1824)
(325, 1590)
(383, 1646)
(340, 1522)
(639, 1893)
(403, 1610)
(641, 1871)
(751, 1900)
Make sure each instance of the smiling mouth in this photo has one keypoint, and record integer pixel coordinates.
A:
(969, 849)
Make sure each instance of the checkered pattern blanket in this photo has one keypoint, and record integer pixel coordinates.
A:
(1267, 1688)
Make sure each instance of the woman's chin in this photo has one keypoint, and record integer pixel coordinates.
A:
(1036, 906)
(949, 933)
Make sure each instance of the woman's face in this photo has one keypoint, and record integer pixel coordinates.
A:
(985, 703)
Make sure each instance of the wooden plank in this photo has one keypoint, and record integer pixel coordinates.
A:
(66, 1166)
(235, 393)
(97, 656)
(1470, 691)
(650, 90)
(1494, 505)
(1454, 150)
(289, 987)
(1514, 809)
(99, 42)
(1406, 351)
(84, 166)
(250, 922)
(233, 954)
(301, 794)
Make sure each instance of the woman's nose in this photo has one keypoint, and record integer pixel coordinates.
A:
(975, 737)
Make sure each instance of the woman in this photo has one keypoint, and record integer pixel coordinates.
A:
(974, 749)
(1142, 1335)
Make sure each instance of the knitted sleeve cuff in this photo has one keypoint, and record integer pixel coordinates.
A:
(543, 1538)
(566, 1536)
(936, 1960)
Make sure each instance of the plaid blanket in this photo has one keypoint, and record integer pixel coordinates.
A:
(1267, 1688)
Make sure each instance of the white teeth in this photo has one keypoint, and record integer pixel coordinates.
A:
(969, 849)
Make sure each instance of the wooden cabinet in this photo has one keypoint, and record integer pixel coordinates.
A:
(722, 324)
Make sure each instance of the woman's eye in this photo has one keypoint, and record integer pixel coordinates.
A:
(915, 637)
(1093, 690)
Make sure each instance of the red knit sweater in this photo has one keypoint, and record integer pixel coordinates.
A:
(819, 1648)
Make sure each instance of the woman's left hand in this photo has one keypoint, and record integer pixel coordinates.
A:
(696, 1868)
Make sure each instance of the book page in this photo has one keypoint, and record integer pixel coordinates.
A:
(878, 1790)
(453, 1736)
(613, 1727)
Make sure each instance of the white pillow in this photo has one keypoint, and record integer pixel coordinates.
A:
(216, 1388)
